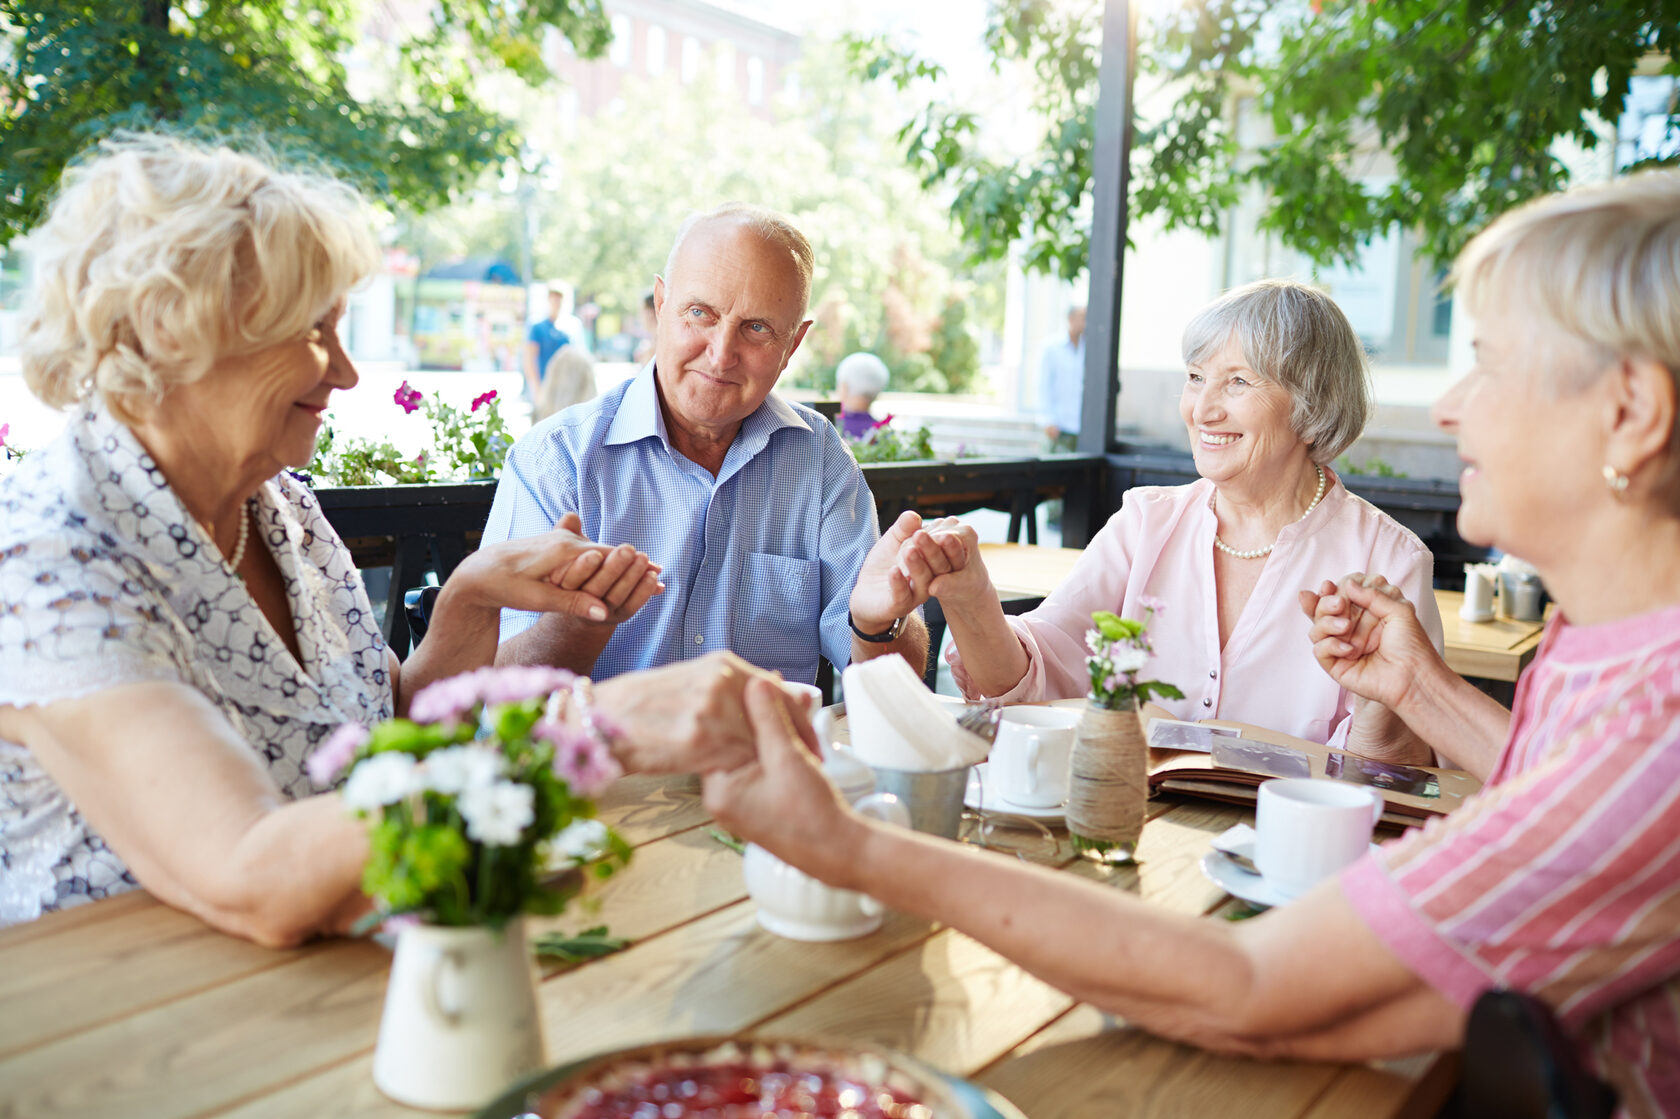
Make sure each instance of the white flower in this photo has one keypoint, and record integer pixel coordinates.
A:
(455, 769)
(497, 814)
(581, 840)
(1093, 641)
(1127, 658)
(382, 779)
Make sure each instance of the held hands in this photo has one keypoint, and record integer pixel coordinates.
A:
(689, 717)
(560, 572)
(913, 561)
(780, 799)
(1367, 637)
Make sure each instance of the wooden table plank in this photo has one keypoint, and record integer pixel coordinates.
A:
(1027, 570)
(100, 971)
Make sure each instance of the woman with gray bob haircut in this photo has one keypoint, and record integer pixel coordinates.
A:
(1275, 388)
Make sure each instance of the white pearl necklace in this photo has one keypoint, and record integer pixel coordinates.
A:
(1318, 495)
(238, 553)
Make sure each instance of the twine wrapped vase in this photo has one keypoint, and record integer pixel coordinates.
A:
(1109, 782)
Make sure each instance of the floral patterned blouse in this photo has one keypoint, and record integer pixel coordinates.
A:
(106, 580)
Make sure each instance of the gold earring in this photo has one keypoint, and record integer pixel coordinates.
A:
(1615, 479)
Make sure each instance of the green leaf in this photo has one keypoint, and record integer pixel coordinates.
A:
(590, 944)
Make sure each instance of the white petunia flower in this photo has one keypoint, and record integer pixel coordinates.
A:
(581, 840)
(1127, 658)
(454, 769)
(1093, 641)
(379, 780)
(496, 814)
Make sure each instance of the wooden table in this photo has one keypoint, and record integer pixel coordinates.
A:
(1496, 650)
(127, 1007)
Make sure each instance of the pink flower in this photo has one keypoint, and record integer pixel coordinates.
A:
(445, 701)
(581, 760)
(407, 398)
(883, 421)
(397, 922)
(330, 758)
(5, 429)
(1151, 603)
(483, 398)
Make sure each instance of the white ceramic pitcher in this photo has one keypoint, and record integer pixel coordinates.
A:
(460, 1019)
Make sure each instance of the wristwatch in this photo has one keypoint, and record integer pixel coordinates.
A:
(890, 634)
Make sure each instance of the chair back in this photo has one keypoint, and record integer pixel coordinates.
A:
(1519, 1064)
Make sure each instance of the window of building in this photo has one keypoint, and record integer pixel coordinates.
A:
(725, 61)
(1650, 124)
(755, 80)
(619, 53)
(656, 50)
(690, 59)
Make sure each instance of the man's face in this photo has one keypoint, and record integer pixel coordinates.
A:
(554, 301)
(1076, 323)
(728, 320)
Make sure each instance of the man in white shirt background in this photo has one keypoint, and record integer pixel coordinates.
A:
(1061, 379)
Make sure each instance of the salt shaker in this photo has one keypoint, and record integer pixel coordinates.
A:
(1478, 594)
(1520, 590)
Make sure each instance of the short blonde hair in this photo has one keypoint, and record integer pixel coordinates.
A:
(1602, 263)
(160, 256)
(1296, 335)
(776, 228)
(569, 379)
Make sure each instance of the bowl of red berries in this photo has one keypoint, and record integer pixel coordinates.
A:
(748, 1078)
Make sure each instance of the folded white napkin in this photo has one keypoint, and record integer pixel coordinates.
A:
(896, 723)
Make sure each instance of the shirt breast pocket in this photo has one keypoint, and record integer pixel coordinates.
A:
(781, 598)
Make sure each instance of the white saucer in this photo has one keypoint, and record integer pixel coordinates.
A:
(996, 804)
(1240, 882)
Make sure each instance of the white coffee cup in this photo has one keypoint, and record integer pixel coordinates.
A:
(1030, 757)
(1308, 829)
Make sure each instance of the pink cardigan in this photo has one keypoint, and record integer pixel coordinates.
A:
(1160, 543)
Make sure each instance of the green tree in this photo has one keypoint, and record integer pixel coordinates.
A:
(1466, 97)
(887, 259)
(275, 71)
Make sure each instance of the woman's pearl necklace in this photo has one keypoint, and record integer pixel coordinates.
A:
(1318, 495)
(238, 553)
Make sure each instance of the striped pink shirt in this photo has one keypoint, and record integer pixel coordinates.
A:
(1562, 878)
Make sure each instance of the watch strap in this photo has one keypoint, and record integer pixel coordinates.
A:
(889, 634)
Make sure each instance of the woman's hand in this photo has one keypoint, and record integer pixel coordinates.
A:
(780, 799)
(687, 717)
(559, 572)
(1366, 636)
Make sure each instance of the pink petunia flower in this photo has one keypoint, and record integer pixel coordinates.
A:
(5, 429)
(483, 398)
(407, 397)
(581, 760)
(330, 758)
(883, 421)
(1152, 603)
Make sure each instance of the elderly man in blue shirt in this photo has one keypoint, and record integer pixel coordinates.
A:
(758, 518)
(1061, 384)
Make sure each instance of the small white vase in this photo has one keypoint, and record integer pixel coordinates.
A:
(460, 1019)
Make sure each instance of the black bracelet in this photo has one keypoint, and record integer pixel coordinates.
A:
(890, 634)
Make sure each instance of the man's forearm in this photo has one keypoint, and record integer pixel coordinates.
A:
(911, 644)
(560, 640)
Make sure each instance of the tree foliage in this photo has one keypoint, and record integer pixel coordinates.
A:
(1465, 99)
(889, 270)
(273, 71)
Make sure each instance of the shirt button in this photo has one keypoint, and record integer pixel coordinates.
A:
(1213, 675)
(699, 639)
(1207, 703)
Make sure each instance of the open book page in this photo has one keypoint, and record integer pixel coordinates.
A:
(1241, 756)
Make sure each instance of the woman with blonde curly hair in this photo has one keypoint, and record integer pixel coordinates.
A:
(179, 625)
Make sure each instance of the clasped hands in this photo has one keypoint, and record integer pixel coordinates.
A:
(914, 561)
(562, 572)
(1366, 635)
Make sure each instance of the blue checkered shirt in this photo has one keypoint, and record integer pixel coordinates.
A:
(760, 560)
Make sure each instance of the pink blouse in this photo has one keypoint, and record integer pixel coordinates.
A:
(1160, 543)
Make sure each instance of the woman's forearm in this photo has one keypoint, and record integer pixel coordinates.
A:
(992, 654)
(1464, 726)
(462, 636)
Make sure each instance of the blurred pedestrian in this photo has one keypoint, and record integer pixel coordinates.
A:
(568, 380)
(858, 380)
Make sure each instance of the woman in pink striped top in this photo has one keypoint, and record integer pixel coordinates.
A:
(1562, 877)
